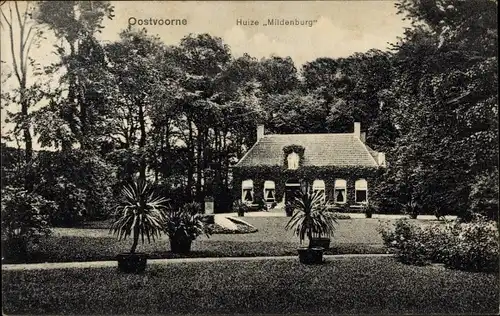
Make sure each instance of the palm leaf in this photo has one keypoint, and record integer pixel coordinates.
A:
(140, 212)
(311, 217)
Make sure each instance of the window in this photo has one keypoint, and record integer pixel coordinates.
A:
(319, 186)
(269, 191)
(361, 187)
(247, 191)
(293, 161)
(340, 192)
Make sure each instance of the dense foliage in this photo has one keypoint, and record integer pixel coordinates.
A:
(80, 182)
(445, 105)
(469, 246)
(25, 219)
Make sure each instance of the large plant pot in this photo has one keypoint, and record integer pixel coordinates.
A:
(289, 212)
(320, 242)
(180, 245)
(311, 255)
(132, 262)
(241, 213)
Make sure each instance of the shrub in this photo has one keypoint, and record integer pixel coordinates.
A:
(70, 202)
(436, 239)
(369, 209)
(240, 207)
(79, 182)
(405, 240)
(484, 195)
(467, 246)
(24, 220)
(474, 246)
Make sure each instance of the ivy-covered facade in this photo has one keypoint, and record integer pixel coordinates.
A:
(341, 166)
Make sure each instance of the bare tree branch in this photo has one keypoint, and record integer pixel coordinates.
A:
(5, 18)
(12, 50)
(21, 44)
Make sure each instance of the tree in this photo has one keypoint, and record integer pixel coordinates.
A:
(203, 59)
(145, 90)
(446, 100)
(278, 75)
(76, 23)
(23, 34)
(320, 73)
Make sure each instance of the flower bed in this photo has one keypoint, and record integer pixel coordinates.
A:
(241, 229)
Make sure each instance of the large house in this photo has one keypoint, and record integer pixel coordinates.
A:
(340, 166)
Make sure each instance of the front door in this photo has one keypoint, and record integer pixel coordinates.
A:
(292, 188)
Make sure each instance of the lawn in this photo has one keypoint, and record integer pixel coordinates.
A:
(92, 244)
(342, 285)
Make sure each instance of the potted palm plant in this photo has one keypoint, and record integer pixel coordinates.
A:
(369, 209)
(311, 218)
(140, 214)
(240, 207)
(183, 225)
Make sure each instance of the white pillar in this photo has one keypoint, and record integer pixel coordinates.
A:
(209, 206)
(357, 129)
(260, 131)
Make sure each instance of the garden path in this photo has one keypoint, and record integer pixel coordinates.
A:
(113, 263)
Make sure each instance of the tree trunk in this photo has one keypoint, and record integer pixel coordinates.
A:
(226, 159)
(190, 175)
(136, 239)
(142, 143)
(309, 236)
(84, 143)
(167, 152)
(29, 176)
(72, 93)
(159, 151)
(198, 165)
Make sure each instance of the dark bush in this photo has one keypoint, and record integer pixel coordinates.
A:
(484, 195)
(25, 218)
(79, 182)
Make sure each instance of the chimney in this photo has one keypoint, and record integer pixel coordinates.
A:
(260, 132)
(381, 159)
(357, 129)
(363, 137)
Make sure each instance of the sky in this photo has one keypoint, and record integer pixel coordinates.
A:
(339, 28)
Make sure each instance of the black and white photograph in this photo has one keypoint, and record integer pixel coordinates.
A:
(249, 157)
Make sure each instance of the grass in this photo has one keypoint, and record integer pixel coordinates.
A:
(356, 236)
(71, 248)
(346, 285)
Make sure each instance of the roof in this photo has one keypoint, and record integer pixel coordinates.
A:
(340, 150)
